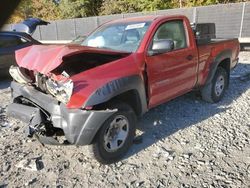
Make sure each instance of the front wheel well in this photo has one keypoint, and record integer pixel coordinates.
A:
(131, 97)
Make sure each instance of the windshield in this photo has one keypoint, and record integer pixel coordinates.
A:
(122, 37)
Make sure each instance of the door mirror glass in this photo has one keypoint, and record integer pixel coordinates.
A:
(161, 46)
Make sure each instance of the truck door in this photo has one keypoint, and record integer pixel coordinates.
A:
(172, 73)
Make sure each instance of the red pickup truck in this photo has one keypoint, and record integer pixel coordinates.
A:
(93, 93)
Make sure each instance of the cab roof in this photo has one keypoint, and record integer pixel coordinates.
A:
(144, 18)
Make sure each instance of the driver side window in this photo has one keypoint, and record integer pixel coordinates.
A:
(173, 30)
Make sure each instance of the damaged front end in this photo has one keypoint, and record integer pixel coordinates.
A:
(52, 85)
(40, 101)
(61, 90)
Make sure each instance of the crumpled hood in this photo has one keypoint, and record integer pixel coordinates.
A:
(45, 58)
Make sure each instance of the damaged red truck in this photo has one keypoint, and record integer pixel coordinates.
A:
(93, 93)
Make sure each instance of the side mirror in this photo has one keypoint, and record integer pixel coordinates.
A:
(161, 46)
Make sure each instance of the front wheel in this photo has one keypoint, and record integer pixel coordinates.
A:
(115, 136)
(214, 91)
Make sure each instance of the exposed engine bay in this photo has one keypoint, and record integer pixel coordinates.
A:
(75, 64)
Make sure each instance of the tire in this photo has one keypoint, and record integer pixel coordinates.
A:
(214, 91)
(115, 136)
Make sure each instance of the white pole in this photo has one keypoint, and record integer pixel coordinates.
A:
(195, 15)
(242, 19)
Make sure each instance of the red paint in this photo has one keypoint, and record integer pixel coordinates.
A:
(169, 75)
(45, 58)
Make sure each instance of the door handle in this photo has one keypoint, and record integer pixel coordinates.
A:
(189, 57)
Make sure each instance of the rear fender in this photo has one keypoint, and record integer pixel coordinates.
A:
(218, 59)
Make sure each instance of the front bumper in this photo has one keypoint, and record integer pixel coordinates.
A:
(79, 126)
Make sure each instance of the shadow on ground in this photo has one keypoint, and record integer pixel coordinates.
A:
(187, 110)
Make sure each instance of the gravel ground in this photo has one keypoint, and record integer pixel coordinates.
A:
(185, 143)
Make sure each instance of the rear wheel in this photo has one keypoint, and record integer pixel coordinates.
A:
(116, 135)
(214, 91)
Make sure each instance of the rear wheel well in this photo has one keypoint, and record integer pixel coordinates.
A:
(225, 64)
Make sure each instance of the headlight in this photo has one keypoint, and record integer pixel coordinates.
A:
(62, 91)
(19, 75)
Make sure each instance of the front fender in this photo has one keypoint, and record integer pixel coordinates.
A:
(117, 87)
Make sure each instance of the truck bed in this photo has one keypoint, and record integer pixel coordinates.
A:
(207, 51)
